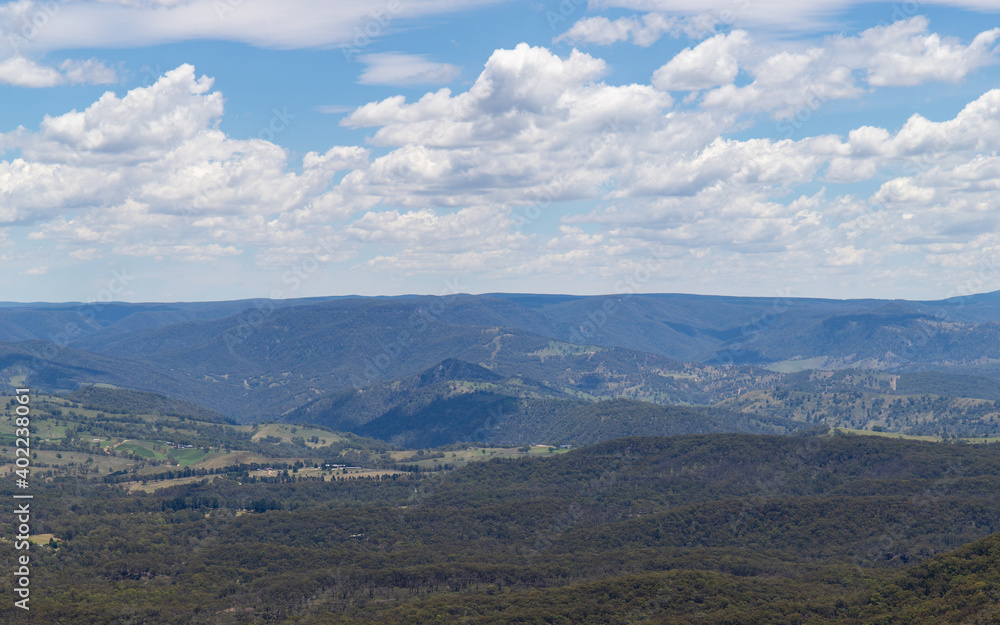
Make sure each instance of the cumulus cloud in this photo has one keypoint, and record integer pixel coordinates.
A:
(526, 82)
(786, 84)
(145, 124)
(153, 170)
(530, 118)
(974, 130)
(711, 63)
(793, 81)
(846, 255)
(466, 178)
(906, 53)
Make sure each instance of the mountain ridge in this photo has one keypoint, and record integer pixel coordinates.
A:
(259, 359)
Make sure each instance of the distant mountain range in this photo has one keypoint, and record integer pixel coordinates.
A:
(306, 359)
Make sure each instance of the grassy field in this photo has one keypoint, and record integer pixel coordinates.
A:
(150, 487)
(73, 462)
(154, 450)
(187, 457)
(219, 460)
(564, 349)
(287, 432)
(42, 427)
(795, 365)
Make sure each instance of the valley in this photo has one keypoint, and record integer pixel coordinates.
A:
(680, 465)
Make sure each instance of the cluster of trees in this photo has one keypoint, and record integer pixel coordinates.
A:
(924, 414)
(126, 401)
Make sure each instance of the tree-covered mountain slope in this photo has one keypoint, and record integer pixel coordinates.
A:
(258, 360)
(456, 401)
(719, 528)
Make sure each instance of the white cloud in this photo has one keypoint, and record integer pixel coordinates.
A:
(711, 63)
(644, 31)
(392, 68)
(23, 72)
(602, 31)
(798, 81)
(150, 174)
(924, 143)
(36, 271)
(467, 180)
(523, 82)
(906, 53)
(787, 84)
(86, 254)
(529, 119)
(291, 24)
(846, 255)
(91, 72)
(476, 238)
(790, 14)
(145, 124)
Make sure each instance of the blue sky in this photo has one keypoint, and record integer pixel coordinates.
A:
(218, 149)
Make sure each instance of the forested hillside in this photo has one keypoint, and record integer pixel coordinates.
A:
(718, 528)
(457, 401)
